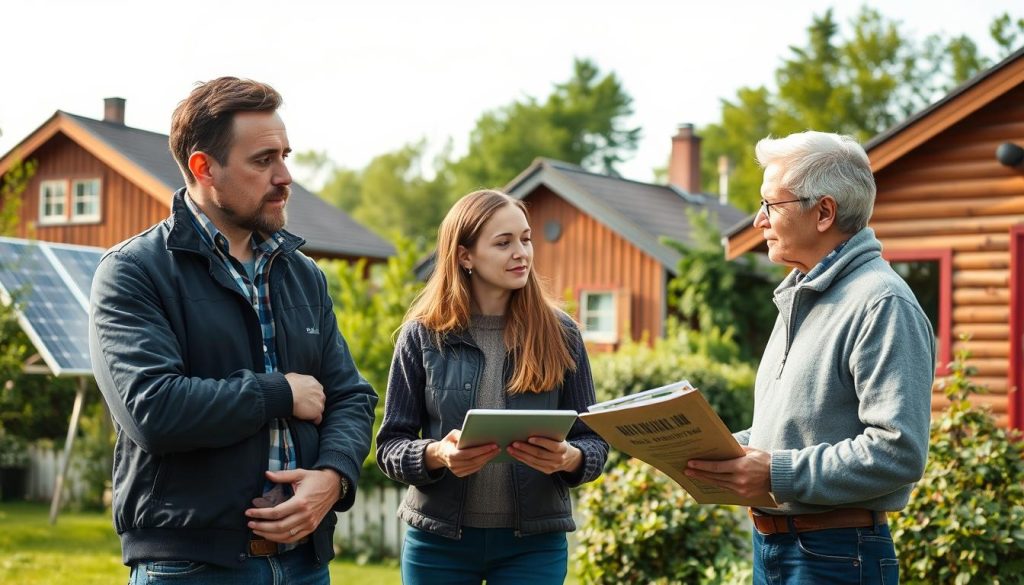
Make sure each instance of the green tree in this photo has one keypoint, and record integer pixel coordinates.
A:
(398, 200)
(581, 122)
(859, 82)
(343, 189)
(392, 195)
(713, 293)
(1008, 33)
(370, 305)
(15, 181)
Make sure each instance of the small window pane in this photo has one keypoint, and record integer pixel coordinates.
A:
(86, 200)
(923, 278)
(599, 302)
(51, 201)
(598, 317)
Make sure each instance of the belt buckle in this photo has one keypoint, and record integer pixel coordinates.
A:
(262, 548)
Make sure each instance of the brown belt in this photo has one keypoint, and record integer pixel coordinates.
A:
(841, 518)
(261, 547)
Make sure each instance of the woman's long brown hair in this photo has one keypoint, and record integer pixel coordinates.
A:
(533, 332)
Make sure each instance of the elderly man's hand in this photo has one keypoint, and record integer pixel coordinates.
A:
(748, 476)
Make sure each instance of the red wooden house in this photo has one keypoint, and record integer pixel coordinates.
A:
(597, 239)
(99, 182)
(950, 215)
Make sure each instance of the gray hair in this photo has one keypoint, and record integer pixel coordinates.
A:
(816, 164)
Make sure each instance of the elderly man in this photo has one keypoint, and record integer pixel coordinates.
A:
(842, 397)
(242, 421)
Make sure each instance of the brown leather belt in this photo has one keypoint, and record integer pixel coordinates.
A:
(261, 547)
(842, 518)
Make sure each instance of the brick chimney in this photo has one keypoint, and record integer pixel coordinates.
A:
(684, 164)
(113, 110)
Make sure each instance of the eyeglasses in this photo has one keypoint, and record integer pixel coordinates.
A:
(766, 207)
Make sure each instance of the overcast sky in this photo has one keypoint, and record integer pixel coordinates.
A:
(363, 78)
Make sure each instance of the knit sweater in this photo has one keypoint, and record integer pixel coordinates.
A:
(489, 498)
(843, 393)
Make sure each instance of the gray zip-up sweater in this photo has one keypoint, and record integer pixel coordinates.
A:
(843, 393)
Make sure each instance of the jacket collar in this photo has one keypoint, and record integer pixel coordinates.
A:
(860, 248)
(182, 234)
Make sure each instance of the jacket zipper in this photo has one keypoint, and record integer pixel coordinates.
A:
(472, 401)
(790, 326)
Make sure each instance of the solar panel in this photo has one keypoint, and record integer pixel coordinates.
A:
(52, 306)
(80, 264)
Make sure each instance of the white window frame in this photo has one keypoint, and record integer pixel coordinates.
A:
(51, 219)
(600, 336)
(74, 200)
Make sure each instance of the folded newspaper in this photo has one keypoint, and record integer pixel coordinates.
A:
(666, 427)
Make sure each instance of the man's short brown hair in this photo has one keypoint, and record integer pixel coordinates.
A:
(203, 121)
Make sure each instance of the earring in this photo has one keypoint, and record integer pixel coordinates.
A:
(469, 271)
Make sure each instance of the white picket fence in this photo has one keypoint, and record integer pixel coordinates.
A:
(371, 526)
(43, 465)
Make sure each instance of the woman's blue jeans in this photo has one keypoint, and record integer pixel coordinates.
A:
(494, 554)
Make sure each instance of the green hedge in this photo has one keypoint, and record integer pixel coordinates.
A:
(708, 360)
(639, 526)
(965, 520)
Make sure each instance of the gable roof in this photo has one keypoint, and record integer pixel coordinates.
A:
(144, 158)
(642, 213)
(899, 140)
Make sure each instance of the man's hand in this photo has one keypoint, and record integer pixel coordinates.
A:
(316, 491)
(307, 397)
(748, 476)
(461, 462)
(546, 455)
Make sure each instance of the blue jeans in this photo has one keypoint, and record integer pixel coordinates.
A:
(295, 567)
(838, 556)
(494, 554)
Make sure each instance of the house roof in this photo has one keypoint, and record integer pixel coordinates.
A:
(143, 157)
(642, 213)
(897, 141)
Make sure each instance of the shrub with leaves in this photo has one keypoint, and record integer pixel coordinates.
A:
(708, 359)
(639, 526)
(711, 291)
(965, 520)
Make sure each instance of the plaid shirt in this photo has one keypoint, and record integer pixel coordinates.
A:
(257, 292)
(821, 266)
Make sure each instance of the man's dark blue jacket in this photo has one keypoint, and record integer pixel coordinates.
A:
(177, 352)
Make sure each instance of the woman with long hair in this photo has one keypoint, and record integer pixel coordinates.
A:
(483, 334)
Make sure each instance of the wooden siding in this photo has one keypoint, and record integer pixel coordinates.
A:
(590, 256)
(124, 208)
(951, 193)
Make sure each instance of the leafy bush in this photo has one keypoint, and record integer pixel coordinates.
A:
(639, 526)
(965, 520)
(370, 305)
(708, 359)
(13, 451)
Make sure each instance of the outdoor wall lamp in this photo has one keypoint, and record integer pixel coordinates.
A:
(1010, 154)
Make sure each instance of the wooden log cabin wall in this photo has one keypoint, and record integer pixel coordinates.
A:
(953, 203)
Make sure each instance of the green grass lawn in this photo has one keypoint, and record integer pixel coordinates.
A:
(83, 549)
